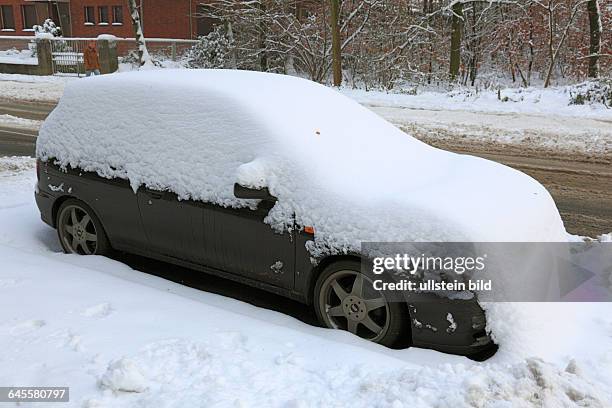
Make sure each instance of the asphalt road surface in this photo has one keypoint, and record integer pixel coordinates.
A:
(580, 184)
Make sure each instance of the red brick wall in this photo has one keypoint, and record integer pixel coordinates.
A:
(161, 18)
(80, 29)
(168, 18)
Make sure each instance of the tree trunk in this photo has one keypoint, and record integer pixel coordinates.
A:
(143, 54)
(455, 52)
(336, 51)
(263, 32)
(594, 37)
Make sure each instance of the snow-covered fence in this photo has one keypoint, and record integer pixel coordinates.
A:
(67, 52)
(24, 55)
(168, 48)
(53, 55)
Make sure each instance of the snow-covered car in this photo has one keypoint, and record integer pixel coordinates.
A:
(274, 181)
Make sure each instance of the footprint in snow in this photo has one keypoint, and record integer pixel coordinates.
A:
(99, 311)
(10, 282)
(27, 327)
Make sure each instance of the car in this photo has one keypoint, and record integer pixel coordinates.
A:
(275, 181)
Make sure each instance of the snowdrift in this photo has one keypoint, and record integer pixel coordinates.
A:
(333, 163)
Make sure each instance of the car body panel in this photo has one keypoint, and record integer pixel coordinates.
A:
(234, 244)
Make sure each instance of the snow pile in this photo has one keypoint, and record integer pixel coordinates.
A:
(333, 163)
(14, 121)
(123, 375)
(122, 338)
(14, 165)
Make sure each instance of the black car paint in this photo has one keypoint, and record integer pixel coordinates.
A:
(235, 244)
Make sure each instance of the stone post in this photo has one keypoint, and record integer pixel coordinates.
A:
(45, 58)
(107, 51)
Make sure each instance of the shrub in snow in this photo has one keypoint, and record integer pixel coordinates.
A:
(592, 92)
(210, 51)
(48, 27)
(123, 375)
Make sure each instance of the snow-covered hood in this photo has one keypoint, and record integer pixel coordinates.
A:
(333, 163)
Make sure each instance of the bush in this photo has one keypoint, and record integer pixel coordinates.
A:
(48, 27)
(590, 92)
(211, 51)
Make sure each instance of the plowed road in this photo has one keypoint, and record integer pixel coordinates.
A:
(581, 184)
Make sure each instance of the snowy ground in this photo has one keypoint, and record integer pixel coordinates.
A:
(122, 338)
(550, 101)
(32, 87)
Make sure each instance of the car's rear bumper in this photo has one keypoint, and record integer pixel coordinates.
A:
(452, 326)
(44, 202)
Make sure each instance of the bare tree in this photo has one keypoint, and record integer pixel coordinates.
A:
(143, 54)
(553, 9)
(334, 17)
(594, 37)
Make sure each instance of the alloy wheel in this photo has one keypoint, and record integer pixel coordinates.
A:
(77, 231)
(349, 302)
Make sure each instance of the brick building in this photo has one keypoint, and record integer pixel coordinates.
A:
(90, 18)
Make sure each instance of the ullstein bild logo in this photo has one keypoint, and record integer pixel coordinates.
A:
(508, 272)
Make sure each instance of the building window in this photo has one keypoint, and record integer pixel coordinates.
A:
(7, 20)
(29, 17)
(90, 18)
(103, 15)
(205, 24)
(117, 15)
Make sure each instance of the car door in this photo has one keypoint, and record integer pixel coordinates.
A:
(239, 242)
(171, 225)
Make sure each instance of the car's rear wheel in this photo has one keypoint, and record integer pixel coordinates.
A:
(345, 299)
(79, 230)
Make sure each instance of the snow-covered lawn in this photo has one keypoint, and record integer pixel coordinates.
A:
(14, 56)
(122, 338)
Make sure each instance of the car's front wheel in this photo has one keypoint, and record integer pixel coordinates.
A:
(345, 299)
(79, 230)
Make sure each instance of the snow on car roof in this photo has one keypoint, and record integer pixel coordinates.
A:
(330, 161)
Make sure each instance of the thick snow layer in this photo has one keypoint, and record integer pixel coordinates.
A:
(333, 163)
(121, 338)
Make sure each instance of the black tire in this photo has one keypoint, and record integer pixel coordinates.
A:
(358, 309)
(79, 230)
